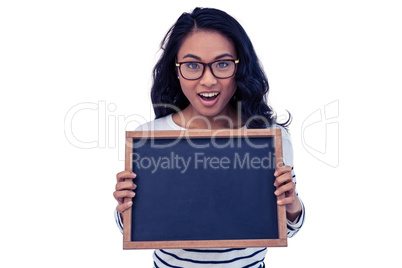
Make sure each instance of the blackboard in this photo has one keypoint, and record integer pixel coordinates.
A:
(204, 189)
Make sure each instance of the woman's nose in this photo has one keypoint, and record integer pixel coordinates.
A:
(208, 79)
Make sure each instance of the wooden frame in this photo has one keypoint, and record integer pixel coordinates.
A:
(281, 241)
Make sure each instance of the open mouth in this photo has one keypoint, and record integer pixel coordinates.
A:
(208, 96)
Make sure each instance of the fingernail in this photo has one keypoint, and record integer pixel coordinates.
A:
(279, 202)
(130, 203)
(276, 192)
(132, 194)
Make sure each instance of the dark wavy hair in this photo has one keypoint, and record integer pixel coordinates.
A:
(252, 83)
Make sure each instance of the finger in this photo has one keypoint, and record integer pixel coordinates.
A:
(126, 174)
(281, 170)
(286, 201)
(125, 185)
(283, 179)
(287, 188)
(120, 195)
(121, 208)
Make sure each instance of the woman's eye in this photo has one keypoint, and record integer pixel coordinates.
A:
(222, 64)
(192, 65)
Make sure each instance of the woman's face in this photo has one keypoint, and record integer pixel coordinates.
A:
(208, 96)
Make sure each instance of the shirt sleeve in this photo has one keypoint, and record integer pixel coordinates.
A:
(287, 150)
(118, 220)
(294, 227)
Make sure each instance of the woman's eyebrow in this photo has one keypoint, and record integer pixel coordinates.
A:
(223, 56)
(192, 56)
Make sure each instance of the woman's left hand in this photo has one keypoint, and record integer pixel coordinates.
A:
(284, 184)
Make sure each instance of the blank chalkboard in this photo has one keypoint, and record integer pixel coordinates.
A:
(204, 189)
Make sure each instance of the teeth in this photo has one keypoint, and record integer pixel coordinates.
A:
(209, 95)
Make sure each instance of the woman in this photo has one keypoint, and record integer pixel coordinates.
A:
(209, 77)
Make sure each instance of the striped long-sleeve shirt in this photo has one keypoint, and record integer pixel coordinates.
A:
(223, 257)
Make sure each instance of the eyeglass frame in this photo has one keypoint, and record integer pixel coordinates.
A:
(178, 65)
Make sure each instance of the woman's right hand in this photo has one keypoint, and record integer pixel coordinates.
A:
(124, 189)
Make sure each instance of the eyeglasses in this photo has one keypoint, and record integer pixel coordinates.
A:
(193, 70)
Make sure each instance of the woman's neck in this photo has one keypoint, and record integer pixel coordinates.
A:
(191, 119)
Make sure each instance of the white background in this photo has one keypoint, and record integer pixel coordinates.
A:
(56, 198)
